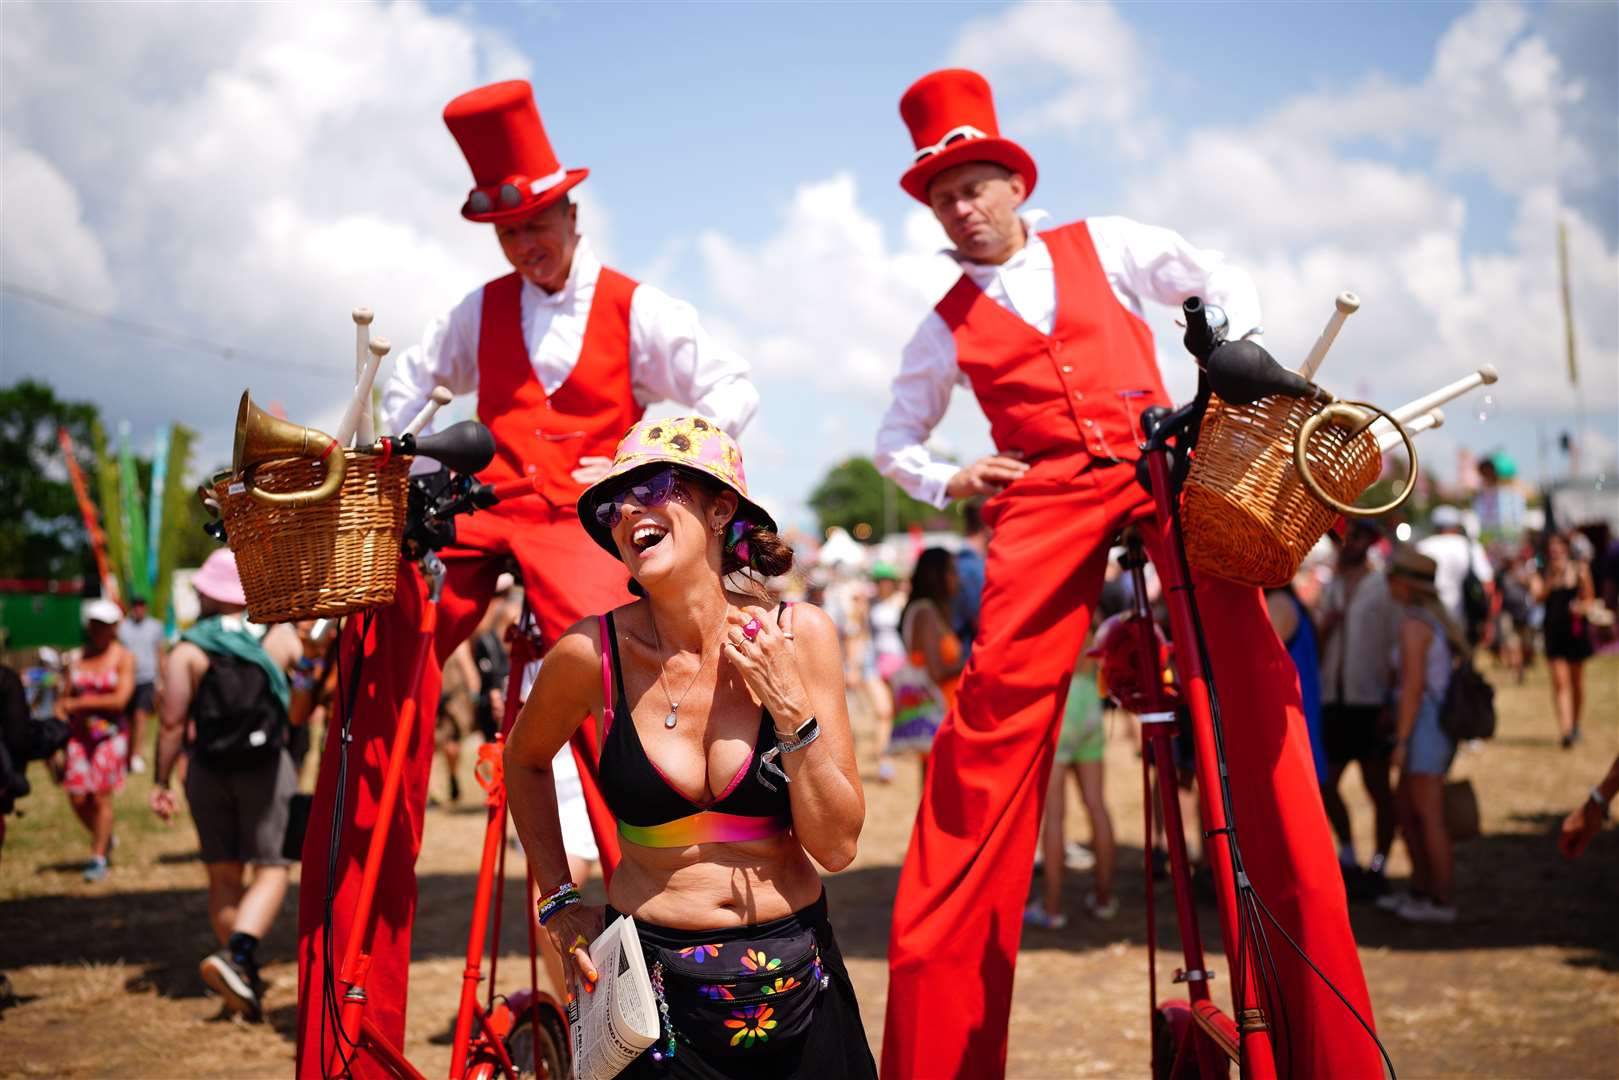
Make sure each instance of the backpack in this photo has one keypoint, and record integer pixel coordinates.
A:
(1468, 709)
(239, 721)
(1475, 601)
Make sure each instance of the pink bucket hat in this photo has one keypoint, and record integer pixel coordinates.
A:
(218, 579)
(693, 443)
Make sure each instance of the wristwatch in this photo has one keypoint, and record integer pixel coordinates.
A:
(1601, 803)
(802, 736)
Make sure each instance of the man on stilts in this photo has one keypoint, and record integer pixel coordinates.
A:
(564, 355)
(1047, 329)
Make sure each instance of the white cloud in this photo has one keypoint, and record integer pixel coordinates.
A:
(825, 298)
(44, 244)
(1062, 67)
(256, 171)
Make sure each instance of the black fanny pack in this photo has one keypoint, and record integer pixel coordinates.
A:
(746, 998)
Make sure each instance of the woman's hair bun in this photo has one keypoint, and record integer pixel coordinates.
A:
(755, 548)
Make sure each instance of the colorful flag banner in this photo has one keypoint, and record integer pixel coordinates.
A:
(87, 510)
(129, 490)
(154, 506)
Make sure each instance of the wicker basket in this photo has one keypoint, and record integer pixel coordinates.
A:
(1246, 515)
(319, 561)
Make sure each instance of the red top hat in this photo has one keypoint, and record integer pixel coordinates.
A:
(512, 162)
(952, 120)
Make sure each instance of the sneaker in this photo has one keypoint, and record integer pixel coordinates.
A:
(1394, 901)
(97, 869)
(137, 764)
(1036, 915)
(1077, 856)
(238, 985)
(1098, 910)
(1424, 910)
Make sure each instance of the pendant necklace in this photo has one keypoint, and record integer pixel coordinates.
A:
(674, 706)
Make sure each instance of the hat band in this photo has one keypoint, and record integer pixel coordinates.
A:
(544, 182)
(954, 135)
(508, 195)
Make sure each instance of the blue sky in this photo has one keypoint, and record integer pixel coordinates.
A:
(247, 174)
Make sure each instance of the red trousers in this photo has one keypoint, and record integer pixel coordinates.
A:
(565, 577)
(958, 916)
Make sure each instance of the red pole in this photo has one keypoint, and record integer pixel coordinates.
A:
(355, 962)
(1257, 1060)
(492, 837)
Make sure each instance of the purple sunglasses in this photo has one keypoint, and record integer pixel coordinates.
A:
(652, 492)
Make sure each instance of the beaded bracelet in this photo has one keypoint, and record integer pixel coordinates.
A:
(564, 895)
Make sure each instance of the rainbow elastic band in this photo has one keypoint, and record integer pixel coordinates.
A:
(706, 827)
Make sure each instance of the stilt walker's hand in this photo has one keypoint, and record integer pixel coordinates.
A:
(986, 476)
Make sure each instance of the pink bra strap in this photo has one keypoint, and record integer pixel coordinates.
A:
(607, 674)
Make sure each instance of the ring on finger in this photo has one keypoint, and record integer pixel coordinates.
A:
(751, 628)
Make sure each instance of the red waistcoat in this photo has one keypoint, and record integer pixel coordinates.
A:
(1079, 390)
(543, 436)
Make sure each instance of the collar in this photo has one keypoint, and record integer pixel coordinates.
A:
(1033, 254)
(581, 275)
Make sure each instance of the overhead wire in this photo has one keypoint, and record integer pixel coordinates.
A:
(219, 349)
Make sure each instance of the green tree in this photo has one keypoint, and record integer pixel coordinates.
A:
(855, 496)
(41, 533)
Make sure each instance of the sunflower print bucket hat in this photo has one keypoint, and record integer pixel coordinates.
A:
(692, 443)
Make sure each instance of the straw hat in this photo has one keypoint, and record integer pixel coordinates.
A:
(1415, 569)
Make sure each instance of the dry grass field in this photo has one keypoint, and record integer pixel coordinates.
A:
(1524, 985)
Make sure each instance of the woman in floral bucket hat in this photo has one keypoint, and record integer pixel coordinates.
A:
(727, 760)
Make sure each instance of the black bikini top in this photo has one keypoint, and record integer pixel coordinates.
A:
(650, 810)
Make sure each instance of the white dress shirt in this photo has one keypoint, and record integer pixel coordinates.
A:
(1354, 658)
(1140, 261)
(671, 355)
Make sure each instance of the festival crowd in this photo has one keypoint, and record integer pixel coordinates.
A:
(712, 692)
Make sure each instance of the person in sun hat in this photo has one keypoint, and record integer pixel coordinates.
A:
(727, 762)
(564, 354)
(99, 678)
(1046, 325)
(226, 706)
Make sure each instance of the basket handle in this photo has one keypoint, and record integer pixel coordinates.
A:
(1350, 413)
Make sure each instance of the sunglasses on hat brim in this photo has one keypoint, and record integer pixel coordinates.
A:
(511, 193)
(951, 137)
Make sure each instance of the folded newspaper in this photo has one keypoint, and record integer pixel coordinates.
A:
(613, 1025)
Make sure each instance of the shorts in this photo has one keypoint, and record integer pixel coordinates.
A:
(144, 698)
(1355, 733)
(1429, 750)
(241, 814)
(1083, 737)
(95, 768)
(578, 840)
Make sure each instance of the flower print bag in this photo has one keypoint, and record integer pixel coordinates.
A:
(751, 998)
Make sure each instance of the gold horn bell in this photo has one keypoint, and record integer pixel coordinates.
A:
(262, 438)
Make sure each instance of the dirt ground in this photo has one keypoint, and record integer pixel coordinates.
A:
(1524, 985)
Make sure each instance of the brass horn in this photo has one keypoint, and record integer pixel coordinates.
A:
(261, 437)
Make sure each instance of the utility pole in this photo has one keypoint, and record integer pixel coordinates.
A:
(1580, 433)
